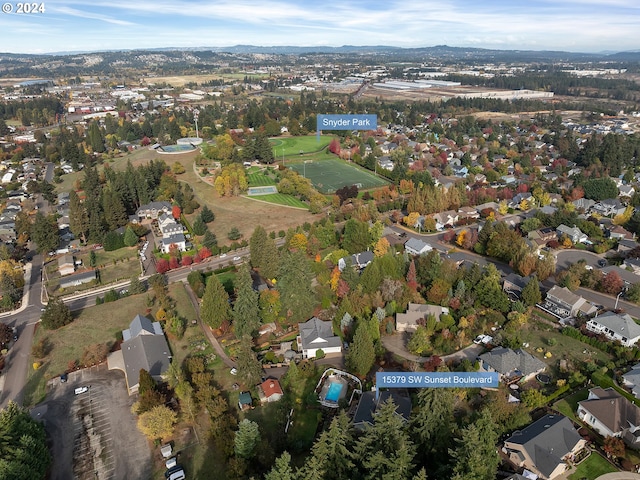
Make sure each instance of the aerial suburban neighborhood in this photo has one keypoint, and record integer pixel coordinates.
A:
(211, 257)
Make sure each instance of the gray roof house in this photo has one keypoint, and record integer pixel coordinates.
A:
(545, 447)
(368, 406)
(144, 347)
(621, 328)
(632, 380)
(415, 246)
(574, 233)
(78, 278)
(563, 303)
(358, 260)
(611, 415)
(317, 335)
(176, 239)
(511, 364)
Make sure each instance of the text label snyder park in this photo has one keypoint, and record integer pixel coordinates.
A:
(436, 379)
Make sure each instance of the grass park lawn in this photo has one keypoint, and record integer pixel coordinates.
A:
(592, 468)
(260, 179)
(290, 146)
(281, 199)
(328, 173)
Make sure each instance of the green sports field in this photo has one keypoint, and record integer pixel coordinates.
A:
(290, 146)
(330, 174)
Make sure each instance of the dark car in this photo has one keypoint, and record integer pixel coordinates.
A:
(63, 378)
(602, 262)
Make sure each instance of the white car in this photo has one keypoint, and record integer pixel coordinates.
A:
(237, 259)
(172, 462)
(233, 371)
(223, 255)
(81, 390)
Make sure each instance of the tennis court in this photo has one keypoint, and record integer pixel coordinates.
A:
(263, 190)
(328, 175)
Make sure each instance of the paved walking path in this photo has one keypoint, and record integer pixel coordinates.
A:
(619, 476)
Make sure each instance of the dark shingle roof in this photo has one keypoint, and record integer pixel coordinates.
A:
(547, 441)
(507, 361)
(368, 406)
(611, 409)
(150, 352)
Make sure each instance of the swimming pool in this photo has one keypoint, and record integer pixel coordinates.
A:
(333, 394)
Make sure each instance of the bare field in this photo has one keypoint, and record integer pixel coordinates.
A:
(239, 212)
(182, 80)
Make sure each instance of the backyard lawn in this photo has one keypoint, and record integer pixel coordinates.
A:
(281, 199)
(592, 468)
(569, 405)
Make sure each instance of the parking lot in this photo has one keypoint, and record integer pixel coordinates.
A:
(93, 433)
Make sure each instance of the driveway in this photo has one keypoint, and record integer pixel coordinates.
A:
(94, 434)
(397, 344)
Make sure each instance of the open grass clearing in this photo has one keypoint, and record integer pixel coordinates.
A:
(289, 146)
(592, 468)
(329, 174)
(541, 336)
(98, 324)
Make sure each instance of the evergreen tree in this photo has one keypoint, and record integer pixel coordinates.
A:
(432, 424)
(136, 286)
(209, 240)
(294, 284)
(385, 450)
(531, 292)
(282, 469)
(247, 438)
(199, 227)
(215, 303)
(333, 451)
(207, 215)
(249, 367)
(270, 260)
(361, 351)
(78, 217)
(44, 232)
(475, 455)
(257, 244)
(246, 312)
(56, 314)
(130, 237)
(96, 141)
(115, 214)
(356, 236)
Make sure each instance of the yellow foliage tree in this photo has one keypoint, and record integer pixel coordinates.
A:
(503, 208)
(461, 237)
(157, 422)
(381, 248)
(161, 315)
(335, 278)
(411, 219)
(624, 217)
(13, 270)
(298, 242)
(524, 205)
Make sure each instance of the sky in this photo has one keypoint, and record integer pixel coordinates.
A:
(590, 26)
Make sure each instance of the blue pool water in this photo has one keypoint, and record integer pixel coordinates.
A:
(334, 392)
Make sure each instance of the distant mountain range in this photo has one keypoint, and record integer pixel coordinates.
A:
(162, 61)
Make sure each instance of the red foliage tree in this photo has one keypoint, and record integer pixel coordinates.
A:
(449, 235)
(173, 263)
(343, 288)
(611, 283)
(162, 266)
(334, 146)
(204, 253)
(412, 281)
(197, 258)
(145, 141)
(176, 212)
(187, 260)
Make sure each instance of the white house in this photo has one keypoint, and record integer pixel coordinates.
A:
(621, 328)
(574, 233)
(611, 415)
(415, 246)
(317, 335)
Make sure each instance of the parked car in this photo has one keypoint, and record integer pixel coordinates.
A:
(63, 378)
(175, 473)
(172, 462)
(602, 262)
(233, 371)
(223, 255)
(236, 259)
(80, 390)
